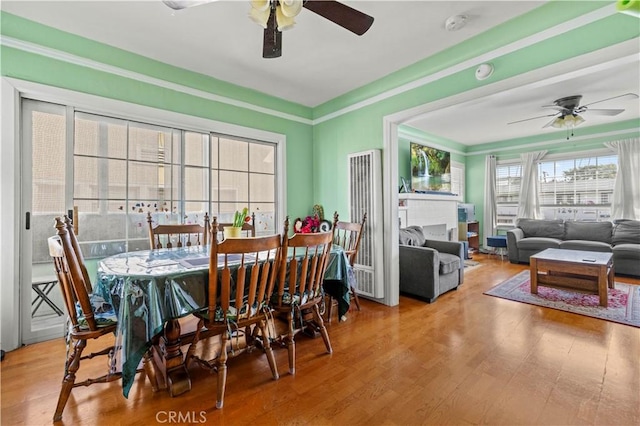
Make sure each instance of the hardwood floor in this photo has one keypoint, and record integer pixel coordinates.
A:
(465, 359)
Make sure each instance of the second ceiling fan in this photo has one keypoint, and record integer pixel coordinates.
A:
(278, 15)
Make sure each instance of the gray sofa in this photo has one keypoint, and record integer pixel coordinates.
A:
(429, 268)
(622, 238)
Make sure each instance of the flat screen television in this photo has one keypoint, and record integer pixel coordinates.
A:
(430, 169)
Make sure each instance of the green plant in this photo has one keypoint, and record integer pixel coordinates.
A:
(239, 218)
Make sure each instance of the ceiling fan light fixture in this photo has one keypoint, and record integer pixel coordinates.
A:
(260, 17)
(290, 8)
(284, 22)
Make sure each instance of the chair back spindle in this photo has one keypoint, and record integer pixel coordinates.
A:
(186, 235)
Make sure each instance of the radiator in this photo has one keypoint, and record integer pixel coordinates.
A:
(365, 196)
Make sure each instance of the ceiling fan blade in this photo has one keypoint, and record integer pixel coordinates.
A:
(534, 118)
(558, 108)
(183, 4)
(343, 15)
(625, 96)
(272, 39)
(604, 111)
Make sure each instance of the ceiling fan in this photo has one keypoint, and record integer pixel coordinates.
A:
(568, 111)
(278, 15)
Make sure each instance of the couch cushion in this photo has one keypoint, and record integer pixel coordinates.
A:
(585, 245)
(542, 228)
(626, 232)
(538, 243)
(627, 251)
(590, 231)
(411, 236)
(448, 263)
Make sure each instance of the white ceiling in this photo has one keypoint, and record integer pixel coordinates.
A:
(321, 60)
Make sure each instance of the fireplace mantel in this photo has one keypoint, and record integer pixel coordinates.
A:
(428, 210)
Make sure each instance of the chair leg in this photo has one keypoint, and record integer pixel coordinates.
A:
(329, 309)
(323, 329)
(291, 344)
(72, 366)
(222, 371)
(150, 370)
(355, 297)
(269, 350)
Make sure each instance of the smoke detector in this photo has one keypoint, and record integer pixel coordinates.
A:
(484, 71)
(455, 22)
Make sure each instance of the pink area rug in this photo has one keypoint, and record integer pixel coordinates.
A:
(624, 299)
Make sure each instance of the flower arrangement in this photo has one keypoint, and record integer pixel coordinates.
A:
(307, 225)
(239, 218)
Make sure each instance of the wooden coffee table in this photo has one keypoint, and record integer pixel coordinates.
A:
(584, 271)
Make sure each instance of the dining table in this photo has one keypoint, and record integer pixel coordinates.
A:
(152, 289)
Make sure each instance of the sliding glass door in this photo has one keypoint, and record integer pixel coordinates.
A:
(112, 176)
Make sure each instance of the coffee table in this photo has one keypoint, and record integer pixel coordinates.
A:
(583, 271)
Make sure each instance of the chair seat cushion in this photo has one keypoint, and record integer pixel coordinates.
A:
(103, 312)
(448, 263)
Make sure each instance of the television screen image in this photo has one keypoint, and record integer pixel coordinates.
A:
(430, 169)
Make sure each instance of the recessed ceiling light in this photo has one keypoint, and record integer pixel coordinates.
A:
(455, 22)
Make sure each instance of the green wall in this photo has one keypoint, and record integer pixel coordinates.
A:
(32, 67)
(362, 128)
(317, 153)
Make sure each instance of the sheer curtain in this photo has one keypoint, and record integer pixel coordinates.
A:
(626, 192)
(528, 204)
(489, 225)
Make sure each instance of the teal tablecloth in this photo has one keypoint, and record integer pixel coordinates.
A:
(148, 288)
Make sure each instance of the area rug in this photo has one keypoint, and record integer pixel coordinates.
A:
(624, 299)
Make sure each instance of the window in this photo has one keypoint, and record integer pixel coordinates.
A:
(123, 170)
(578, 188)
(508, 177)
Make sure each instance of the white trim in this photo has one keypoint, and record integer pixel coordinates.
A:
(554, 142)
(392, 121)
(486, 57)
(99, 66)
(472, 62)
(425, 140)
(9, 214)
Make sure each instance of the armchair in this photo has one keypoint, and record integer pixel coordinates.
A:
(429, 268)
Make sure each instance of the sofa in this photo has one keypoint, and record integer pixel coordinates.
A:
(429, 268)
(621, 237)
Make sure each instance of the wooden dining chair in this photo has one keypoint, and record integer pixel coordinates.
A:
(183, 234)
(90, 316)
(248, 228)
(299, 293)
(238, 295)
(348, 236)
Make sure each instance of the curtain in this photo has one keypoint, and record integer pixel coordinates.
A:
(626, 191)
(528, 205)
(490, 222)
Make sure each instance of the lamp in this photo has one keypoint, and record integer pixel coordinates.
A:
(285, 11)
(568, 121)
